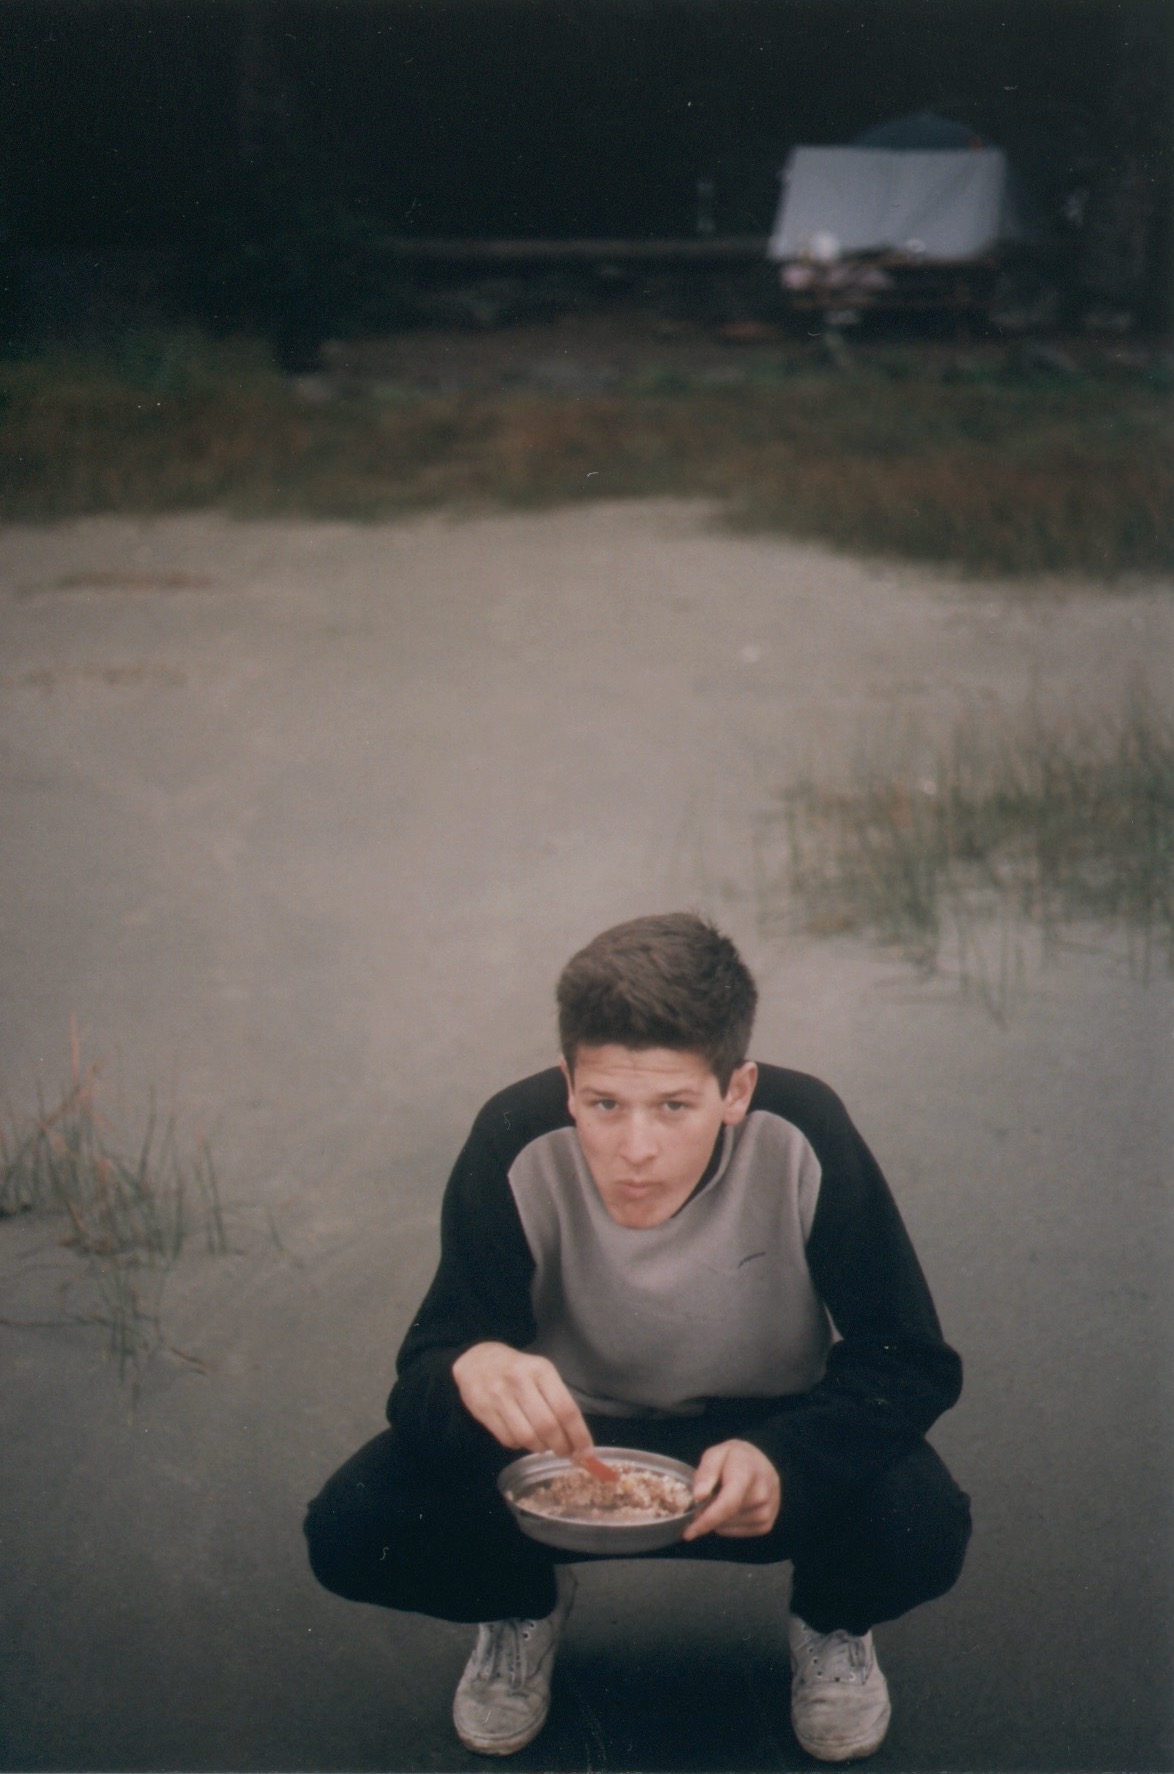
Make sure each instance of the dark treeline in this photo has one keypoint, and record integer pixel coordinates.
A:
(127, 122)
(215, 129)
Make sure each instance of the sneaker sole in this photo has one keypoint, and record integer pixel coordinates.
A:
(502, 1746)
(848, 1752)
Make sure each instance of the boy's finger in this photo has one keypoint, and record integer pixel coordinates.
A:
(708, 1475)
(544, 1421)
(515, 1430)
(572, 1429)
(718, 1509)
(706, 1482)
(711, 1517)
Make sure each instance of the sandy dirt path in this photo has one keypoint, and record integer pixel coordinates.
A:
(305, 818)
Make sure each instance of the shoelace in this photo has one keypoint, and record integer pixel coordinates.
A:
(499, 1650)
(836, 1656)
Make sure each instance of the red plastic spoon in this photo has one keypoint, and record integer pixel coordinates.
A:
(597, 1468)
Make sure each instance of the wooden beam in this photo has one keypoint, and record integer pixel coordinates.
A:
(727, 249)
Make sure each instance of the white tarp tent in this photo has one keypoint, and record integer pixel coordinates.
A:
(945, 205)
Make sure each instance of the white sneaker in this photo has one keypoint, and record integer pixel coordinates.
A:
(503, 1697)
(839, 1698)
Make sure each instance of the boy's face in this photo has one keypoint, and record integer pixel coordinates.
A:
(647, 1120)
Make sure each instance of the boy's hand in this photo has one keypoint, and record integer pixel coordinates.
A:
(520, 1399)
(744, 1492)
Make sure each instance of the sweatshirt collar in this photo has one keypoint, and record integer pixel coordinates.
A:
(717, 1158)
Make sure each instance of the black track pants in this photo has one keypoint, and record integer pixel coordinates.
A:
(394, 1529)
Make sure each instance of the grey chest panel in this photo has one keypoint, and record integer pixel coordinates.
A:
(715, 1303)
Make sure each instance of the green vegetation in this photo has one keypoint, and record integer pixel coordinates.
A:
(956, 848)
(1006, 470)
(129, 1217)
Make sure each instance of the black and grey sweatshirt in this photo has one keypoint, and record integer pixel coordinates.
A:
(787, 1276)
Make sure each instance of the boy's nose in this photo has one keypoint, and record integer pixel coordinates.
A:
(639, 1142)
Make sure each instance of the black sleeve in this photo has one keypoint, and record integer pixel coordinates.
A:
(890, 1374)
(481, 1290)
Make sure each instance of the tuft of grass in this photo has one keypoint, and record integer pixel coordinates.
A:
(961, 846)
(1005, 473)
(129, 1213)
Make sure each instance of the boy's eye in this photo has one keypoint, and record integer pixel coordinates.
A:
(676, 1105)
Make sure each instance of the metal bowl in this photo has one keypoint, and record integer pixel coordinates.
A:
(610, 1539)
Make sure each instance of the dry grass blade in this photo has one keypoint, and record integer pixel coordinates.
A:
(128, 1219)
(1048, 826)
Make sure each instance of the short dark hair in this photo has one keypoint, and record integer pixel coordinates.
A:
(667, 980)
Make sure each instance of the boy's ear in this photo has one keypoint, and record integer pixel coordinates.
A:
(566, 1072)
(736, 1102)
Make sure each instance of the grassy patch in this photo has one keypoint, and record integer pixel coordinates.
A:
(1007, 473)
(129, 1212)
(958, 847)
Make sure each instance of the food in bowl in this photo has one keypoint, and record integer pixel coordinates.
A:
(640, 1494)
(639, 1513)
